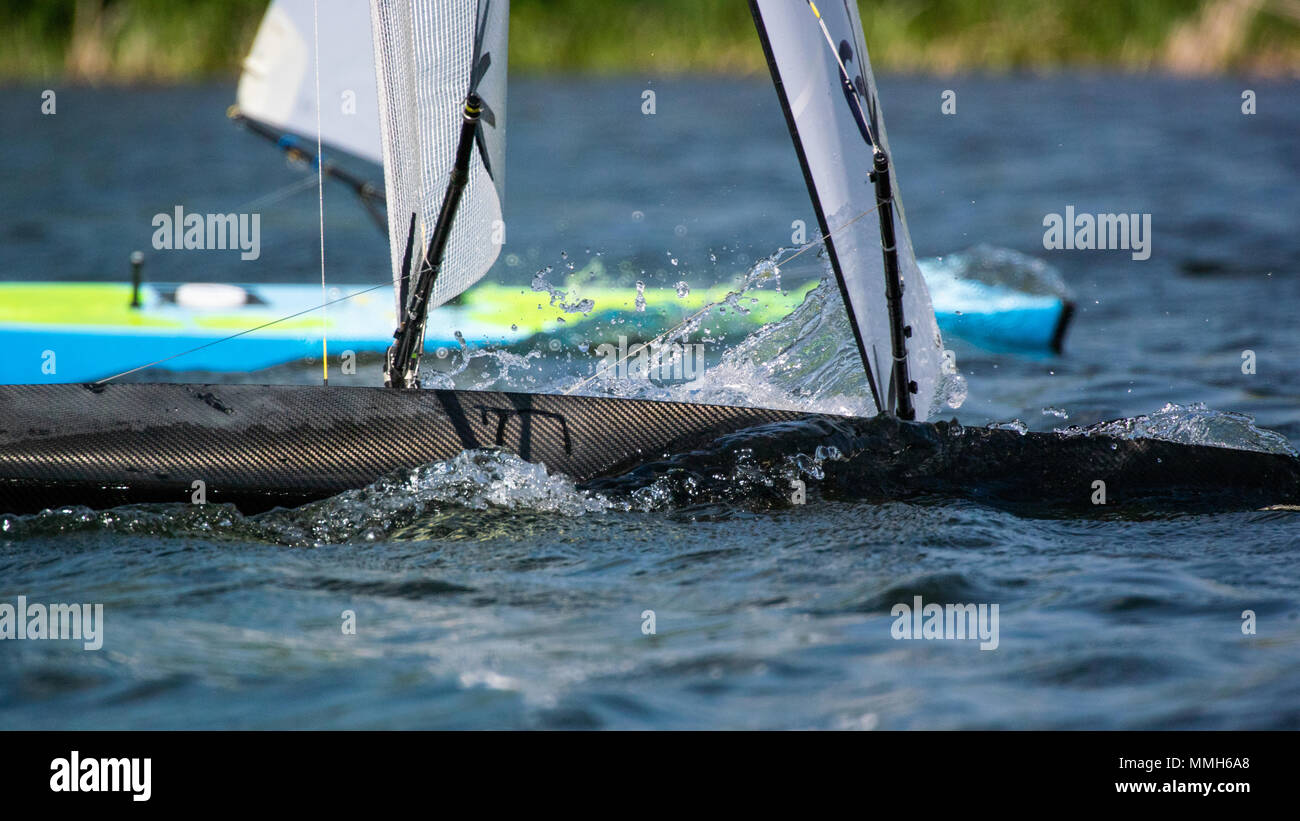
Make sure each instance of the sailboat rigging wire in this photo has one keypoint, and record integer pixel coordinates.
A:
(701, 312)
(844, 72)
(245, 332)
(320, 189)
(277, 195)
(346, 297)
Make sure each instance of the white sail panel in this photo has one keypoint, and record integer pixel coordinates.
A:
(278, 84)
(425, 52)
(837, 158)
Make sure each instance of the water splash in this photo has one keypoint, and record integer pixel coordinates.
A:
(435, 499)
(751, 481)
(951, 393)
(480, 369)
(558, 296)
(1194, 424)
(1015, 425)
(475, 480)
(806, 361)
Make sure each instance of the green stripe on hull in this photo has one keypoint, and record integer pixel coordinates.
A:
(67, 304)
(94, 305)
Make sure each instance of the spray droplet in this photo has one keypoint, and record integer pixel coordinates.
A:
(539, 279)
(1015, 425)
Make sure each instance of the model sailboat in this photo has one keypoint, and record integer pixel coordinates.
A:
(441, 94)
(276, 99)
(106, 326)
(442, 108)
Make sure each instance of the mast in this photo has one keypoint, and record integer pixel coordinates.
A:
(402, 365)
(901, 387)
(440, 67)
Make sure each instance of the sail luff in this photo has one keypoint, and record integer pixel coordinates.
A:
(827, 239)
(836, 128)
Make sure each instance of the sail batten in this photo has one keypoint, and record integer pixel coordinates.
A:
(836, 126)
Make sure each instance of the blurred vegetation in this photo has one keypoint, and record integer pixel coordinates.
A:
(174, 40)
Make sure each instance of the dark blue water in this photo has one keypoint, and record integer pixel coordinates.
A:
(490, 595)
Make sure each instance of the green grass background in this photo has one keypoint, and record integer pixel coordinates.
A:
(182, 40)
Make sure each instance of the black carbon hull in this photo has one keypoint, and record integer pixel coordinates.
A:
(260, 447)
(1035, 474)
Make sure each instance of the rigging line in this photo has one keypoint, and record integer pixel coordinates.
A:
(366, 192)
(320, 190)
(844, 70)
(701, 312)
(277, 195)
(373, 288)
(245, 332)
(817, 242)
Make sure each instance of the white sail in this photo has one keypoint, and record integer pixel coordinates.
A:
(429, 55)
(836, 154)
(278, 84)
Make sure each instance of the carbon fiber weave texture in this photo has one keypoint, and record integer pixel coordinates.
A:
(289, 444)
